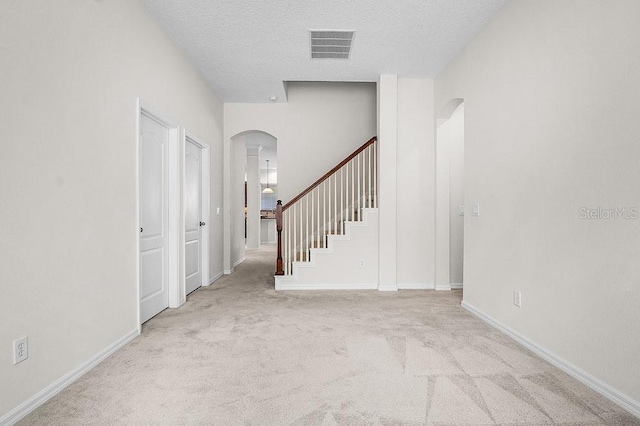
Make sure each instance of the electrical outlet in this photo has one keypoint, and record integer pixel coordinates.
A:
(20, 350)
(517, 298)
(217, 211)
(476, 209)
(461, 211)
(363, 262)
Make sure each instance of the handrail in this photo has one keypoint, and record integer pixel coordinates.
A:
(329, 173)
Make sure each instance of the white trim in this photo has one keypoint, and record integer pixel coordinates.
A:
(297, 286)
(415, 286)
(205, 213)
(456, 286)
(229, 271)
(387, 288)
(137, 228)
(176, 286)
(215, 278)
(624, 401)
(237, 262)
(176, 291)
(54, 388)
(443, 287)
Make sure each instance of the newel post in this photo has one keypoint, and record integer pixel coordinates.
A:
(279, 269)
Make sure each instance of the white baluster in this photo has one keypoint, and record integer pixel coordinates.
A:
(288, 242)
(306, 246)
(300, 246)
(357, 160)
(341, 202)
(324, 214)
(335, 204)
(364, 179)
(375, 174)
(369, 177)
(353, 190)
(295, 231)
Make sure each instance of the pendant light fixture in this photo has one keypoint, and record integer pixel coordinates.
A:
(267, 190)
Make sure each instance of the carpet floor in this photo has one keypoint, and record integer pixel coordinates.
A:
(239, 353)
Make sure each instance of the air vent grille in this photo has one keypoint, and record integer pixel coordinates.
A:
(329, 44)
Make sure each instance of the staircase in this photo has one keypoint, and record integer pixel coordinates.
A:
(328, 234)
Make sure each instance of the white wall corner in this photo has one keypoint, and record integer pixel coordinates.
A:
(215, 278)
(387, 181)
(239, 261)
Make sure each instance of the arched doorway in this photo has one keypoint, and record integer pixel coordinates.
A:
(250, 151)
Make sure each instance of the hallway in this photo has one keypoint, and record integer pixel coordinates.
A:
(238, 353)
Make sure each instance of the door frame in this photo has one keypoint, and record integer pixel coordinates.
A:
(442, 270)
(205, 206)
(174, 207)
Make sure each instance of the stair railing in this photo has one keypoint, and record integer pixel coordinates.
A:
(323, 208)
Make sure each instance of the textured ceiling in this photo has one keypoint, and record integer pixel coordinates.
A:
(246, 49)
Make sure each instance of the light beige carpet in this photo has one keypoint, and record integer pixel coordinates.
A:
(238, 353)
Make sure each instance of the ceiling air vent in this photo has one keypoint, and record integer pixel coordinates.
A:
(331, 44)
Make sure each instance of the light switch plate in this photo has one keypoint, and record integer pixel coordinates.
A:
(517, 298)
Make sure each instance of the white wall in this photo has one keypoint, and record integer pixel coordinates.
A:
(415, 183)
(551, 95)
(71, 72)
(318, 127)
(387, 157)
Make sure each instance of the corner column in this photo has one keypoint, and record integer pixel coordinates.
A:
(387, 185)
(253, 197)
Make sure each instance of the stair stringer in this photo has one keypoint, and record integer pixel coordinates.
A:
(338, 266)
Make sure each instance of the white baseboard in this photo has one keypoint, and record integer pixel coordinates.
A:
(387, 288)
(239, 261)
(233, 267)
(54, 388)
(443, 287)
(298, 286)
(215, 278)
(455, 286)
(624, 401)
(415, 286)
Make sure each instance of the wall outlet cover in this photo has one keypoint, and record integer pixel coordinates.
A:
(20, 349)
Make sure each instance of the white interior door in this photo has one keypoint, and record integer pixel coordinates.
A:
(154, 217)
(193, 216)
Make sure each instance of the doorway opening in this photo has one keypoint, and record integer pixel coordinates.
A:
(158, 212)
(450, 198)
(252, 205)
(196, 190)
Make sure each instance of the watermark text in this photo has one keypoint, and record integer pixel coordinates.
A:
(599, 213)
